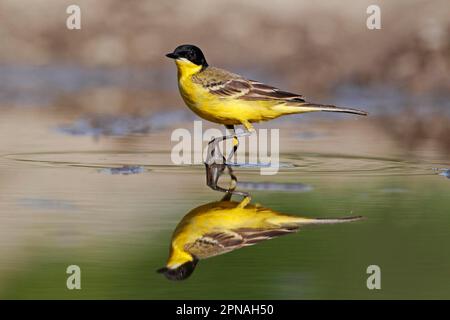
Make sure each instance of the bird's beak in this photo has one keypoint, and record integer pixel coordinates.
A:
(172, 56)
(162, 270)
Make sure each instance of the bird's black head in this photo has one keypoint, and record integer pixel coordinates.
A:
(189, 52)
(180, 273)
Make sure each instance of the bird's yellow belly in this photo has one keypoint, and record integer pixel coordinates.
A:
(226, 111)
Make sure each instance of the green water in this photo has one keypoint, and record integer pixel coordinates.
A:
(58, 209)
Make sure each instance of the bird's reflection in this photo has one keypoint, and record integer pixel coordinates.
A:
(225, 225)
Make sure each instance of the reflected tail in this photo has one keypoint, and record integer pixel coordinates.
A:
(330, 220)
(286, 221)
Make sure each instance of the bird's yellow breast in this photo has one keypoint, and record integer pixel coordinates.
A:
(224, 110)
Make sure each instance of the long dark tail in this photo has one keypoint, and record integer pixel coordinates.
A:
(314, 107)
(331, 108)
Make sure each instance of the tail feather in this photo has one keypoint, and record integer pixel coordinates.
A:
(333, 220)
(313, 107)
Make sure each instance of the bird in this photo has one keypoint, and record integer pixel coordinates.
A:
(230, 99)
(223, 226)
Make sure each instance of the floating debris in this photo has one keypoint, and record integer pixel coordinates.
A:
(273, 186)
(125, 170)
(445, 173)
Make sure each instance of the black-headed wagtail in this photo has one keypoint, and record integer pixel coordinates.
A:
(229, 99)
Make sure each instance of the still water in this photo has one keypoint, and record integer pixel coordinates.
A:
(65, 201)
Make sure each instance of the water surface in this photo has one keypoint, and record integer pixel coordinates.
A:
(109, 205)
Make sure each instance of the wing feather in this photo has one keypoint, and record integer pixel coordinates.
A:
(252, 236)
(215, 243)
(229, 85)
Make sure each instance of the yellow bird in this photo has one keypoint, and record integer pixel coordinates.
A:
(223, 97)
(223, 226)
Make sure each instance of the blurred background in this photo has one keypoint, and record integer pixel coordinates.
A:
(116, 65)
(77, 104)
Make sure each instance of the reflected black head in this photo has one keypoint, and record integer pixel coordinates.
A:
(189, 52)
(181, 273)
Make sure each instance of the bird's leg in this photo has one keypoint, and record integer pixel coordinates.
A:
(233, 184)
(232, 187)
(213, 173)
(213, 154)
(244, 202)
(226, 197)
(235, 143)
(214, 143)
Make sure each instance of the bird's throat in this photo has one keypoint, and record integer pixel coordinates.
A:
(187, 68)
(178, 257)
